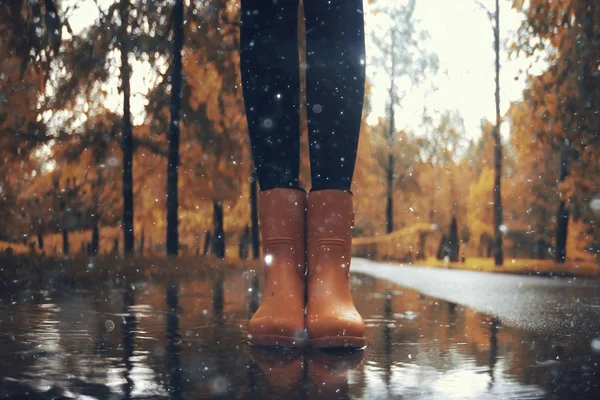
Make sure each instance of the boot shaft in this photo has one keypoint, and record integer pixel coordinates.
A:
(330, 219)
(282, 214)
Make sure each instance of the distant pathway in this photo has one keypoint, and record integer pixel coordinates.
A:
(568, 307)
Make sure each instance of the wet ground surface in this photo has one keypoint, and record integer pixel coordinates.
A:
(569, 307)
(185, 340)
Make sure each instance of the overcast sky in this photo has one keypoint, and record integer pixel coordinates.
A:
(461, 36)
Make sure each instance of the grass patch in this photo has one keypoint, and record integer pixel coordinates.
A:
(16, 248)
(33, 270)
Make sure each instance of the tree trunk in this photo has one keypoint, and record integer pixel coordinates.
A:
(173, 347)
(441, 253)
(219, 233)
(142, 243)
(244, 243)
(541, 249)
(173, 156)
(40, 240)
(218, 296)
(115, 249)
(389, 210)
(562, 214)
(453, 244)
(127, 143)
(497, 197)
(95, 239)
(421, 252)
(207, 243)
(65, 237)
(254, 216)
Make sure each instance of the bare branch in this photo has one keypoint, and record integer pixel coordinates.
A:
(149, 145)
(485, 9)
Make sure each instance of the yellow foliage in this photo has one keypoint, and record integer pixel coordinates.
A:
(480, 206)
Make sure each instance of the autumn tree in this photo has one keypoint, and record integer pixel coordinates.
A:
(30, 38)
(564, 99)
(31, 32)
(494, 17)
(212, 121)
(129, 29)
(173, 162)
(400, 55)
(537, 165)
(480, 211)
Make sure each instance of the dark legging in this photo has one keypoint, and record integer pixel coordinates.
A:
(335, 76)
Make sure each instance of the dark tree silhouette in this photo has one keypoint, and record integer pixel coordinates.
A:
(441, 253)
(65, 241)
(173, 158)
(95, 239)
(453, 242)
(562, 214)
(218, 240)
(40, 240)
(33, 30)
(498, 219)
(173, 348)
(127, 132)
(497, 193)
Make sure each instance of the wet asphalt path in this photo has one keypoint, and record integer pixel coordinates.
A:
(565, 307)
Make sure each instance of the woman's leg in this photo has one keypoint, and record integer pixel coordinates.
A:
(270, 71)
(335, 78)
(270, 81)
(334, 88)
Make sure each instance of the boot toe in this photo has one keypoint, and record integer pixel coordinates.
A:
(347, 323)
(270, 330)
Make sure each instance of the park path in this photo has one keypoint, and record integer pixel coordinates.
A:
(567, 307)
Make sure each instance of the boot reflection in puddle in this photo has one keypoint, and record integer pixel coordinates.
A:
(282, 369)
(328, 373)
(304, 373)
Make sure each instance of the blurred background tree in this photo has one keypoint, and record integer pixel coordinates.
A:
(86, 110)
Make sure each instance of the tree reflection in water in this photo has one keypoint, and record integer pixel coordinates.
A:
(218, 299)
(186, 338)
(494, 323)
(173, 348)
(129, 327)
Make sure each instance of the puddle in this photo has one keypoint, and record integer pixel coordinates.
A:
(186, 340)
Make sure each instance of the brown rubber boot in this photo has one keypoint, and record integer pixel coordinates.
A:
(328, 373)
(279, 321)
(282, 371)
(331, 319)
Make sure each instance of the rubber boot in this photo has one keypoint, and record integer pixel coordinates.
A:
(282, 371)
(328, 373)
(279, 320)
(332, 319)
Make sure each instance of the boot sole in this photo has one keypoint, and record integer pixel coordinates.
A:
(332, 342)
(276, 341)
